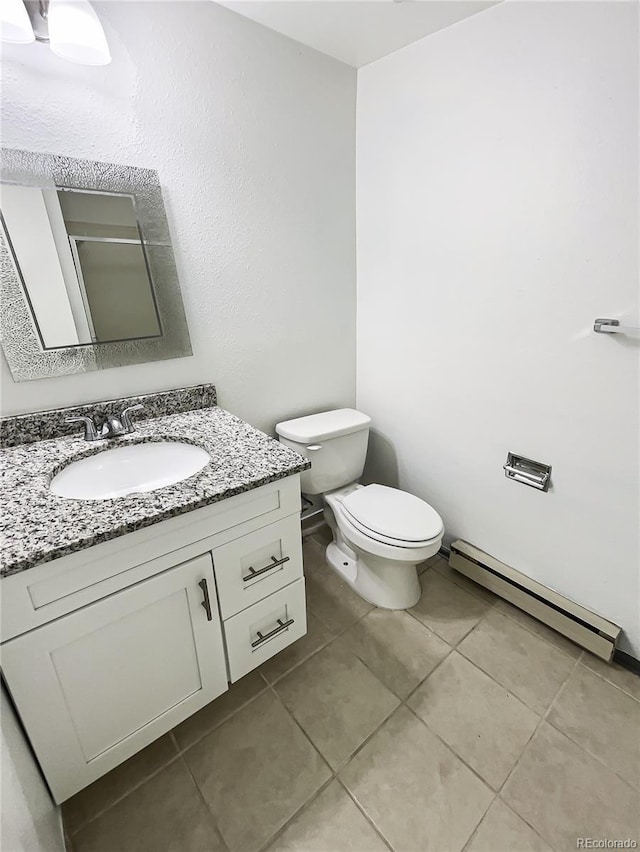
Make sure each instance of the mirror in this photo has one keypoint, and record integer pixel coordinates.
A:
(85, 248)
(82, 263)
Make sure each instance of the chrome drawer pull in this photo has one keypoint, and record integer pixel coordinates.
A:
(206, 603)
(282, 625)
(274, 564)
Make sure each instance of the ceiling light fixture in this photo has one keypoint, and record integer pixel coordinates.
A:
(71, 28)
(15, 26)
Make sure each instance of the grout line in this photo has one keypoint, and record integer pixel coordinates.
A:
(481, 592)
(128, 792)
(533, 632)
(452, 750)
(410, 695)
(510, 689)
(595, 757)
(517, 815)
(355, 751)
(298, 725)
(297, 813)
(184, 749)
(299, 663)
(439, 635)
(602, 676)
(205, 803)
(526, 746)
(364, 813)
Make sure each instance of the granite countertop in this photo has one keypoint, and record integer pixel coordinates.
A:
(38, 526)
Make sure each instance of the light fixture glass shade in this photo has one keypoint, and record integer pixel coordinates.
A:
(15, 26)
(76, 34)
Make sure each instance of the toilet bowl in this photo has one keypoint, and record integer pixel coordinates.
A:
(380, 534)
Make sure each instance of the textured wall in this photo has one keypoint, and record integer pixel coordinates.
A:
(253, 138)
(497, 218)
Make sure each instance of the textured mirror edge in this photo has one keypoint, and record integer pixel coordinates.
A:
(43, 425)
(25, 357)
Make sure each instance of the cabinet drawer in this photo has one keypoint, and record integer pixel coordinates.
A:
(258, 564)
(260, 632)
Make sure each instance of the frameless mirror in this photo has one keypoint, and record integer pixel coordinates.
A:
(88, 276)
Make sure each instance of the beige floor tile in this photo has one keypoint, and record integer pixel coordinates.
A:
(443, 568)
(446, 608)
(419, 794)
(503, 831)
(397, 648)
(479, 719)
(255, 771)
(166, 814)
(331, 823)
(218, 710)
(613, 672)
(316, 637)
(542, 630)
(115, 784)
(336, 700)
(328, 597)
(522, 662)
(564, 793)
(429, 563)
(602, 719)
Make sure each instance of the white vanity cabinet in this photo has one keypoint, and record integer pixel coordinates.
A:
(107, 649)
(106, 680)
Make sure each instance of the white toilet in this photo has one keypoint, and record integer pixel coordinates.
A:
(380, 534)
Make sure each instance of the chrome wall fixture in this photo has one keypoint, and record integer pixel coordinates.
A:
(612, 326)
(528, 472)
(71, 28)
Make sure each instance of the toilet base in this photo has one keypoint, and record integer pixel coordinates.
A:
(382, 582)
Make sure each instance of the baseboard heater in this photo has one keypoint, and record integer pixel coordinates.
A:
(583, 627)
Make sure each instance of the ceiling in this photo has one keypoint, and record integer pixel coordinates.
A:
(356, 31)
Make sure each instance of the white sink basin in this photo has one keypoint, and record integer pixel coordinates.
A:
(130, 469)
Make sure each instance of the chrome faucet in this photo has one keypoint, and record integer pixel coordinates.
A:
(113, 427)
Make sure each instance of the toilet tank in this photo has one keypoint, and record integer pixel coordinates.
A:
(335, 442)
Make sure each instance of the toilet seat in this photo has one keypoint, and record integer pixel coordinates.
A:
(391, 516)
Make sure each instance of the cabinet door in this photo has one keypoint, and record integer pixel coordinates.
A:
(98, 685)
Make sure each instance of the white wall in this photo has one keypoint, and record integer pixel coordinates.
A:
(29, 820)
(253, 136)
(497, 205)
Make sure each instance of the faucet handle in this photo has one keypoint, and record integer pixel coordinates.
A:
(90, 431)
(125, 417)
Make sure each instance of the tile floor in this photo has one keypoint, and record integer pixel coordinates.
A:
(462, 724)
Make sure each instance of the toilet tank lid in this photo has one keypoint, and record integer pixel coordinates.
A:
(320, 427)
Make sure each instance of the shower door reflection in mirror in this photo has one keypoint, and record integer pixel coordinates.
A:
(88, 280)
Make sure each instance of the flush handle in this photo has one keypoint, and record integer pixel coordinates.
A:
(273, 564)
(206, 603)
(314, 448)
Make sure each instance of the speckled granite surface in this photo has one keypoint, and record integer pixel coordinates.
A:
(42, 425)
(37, 526)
